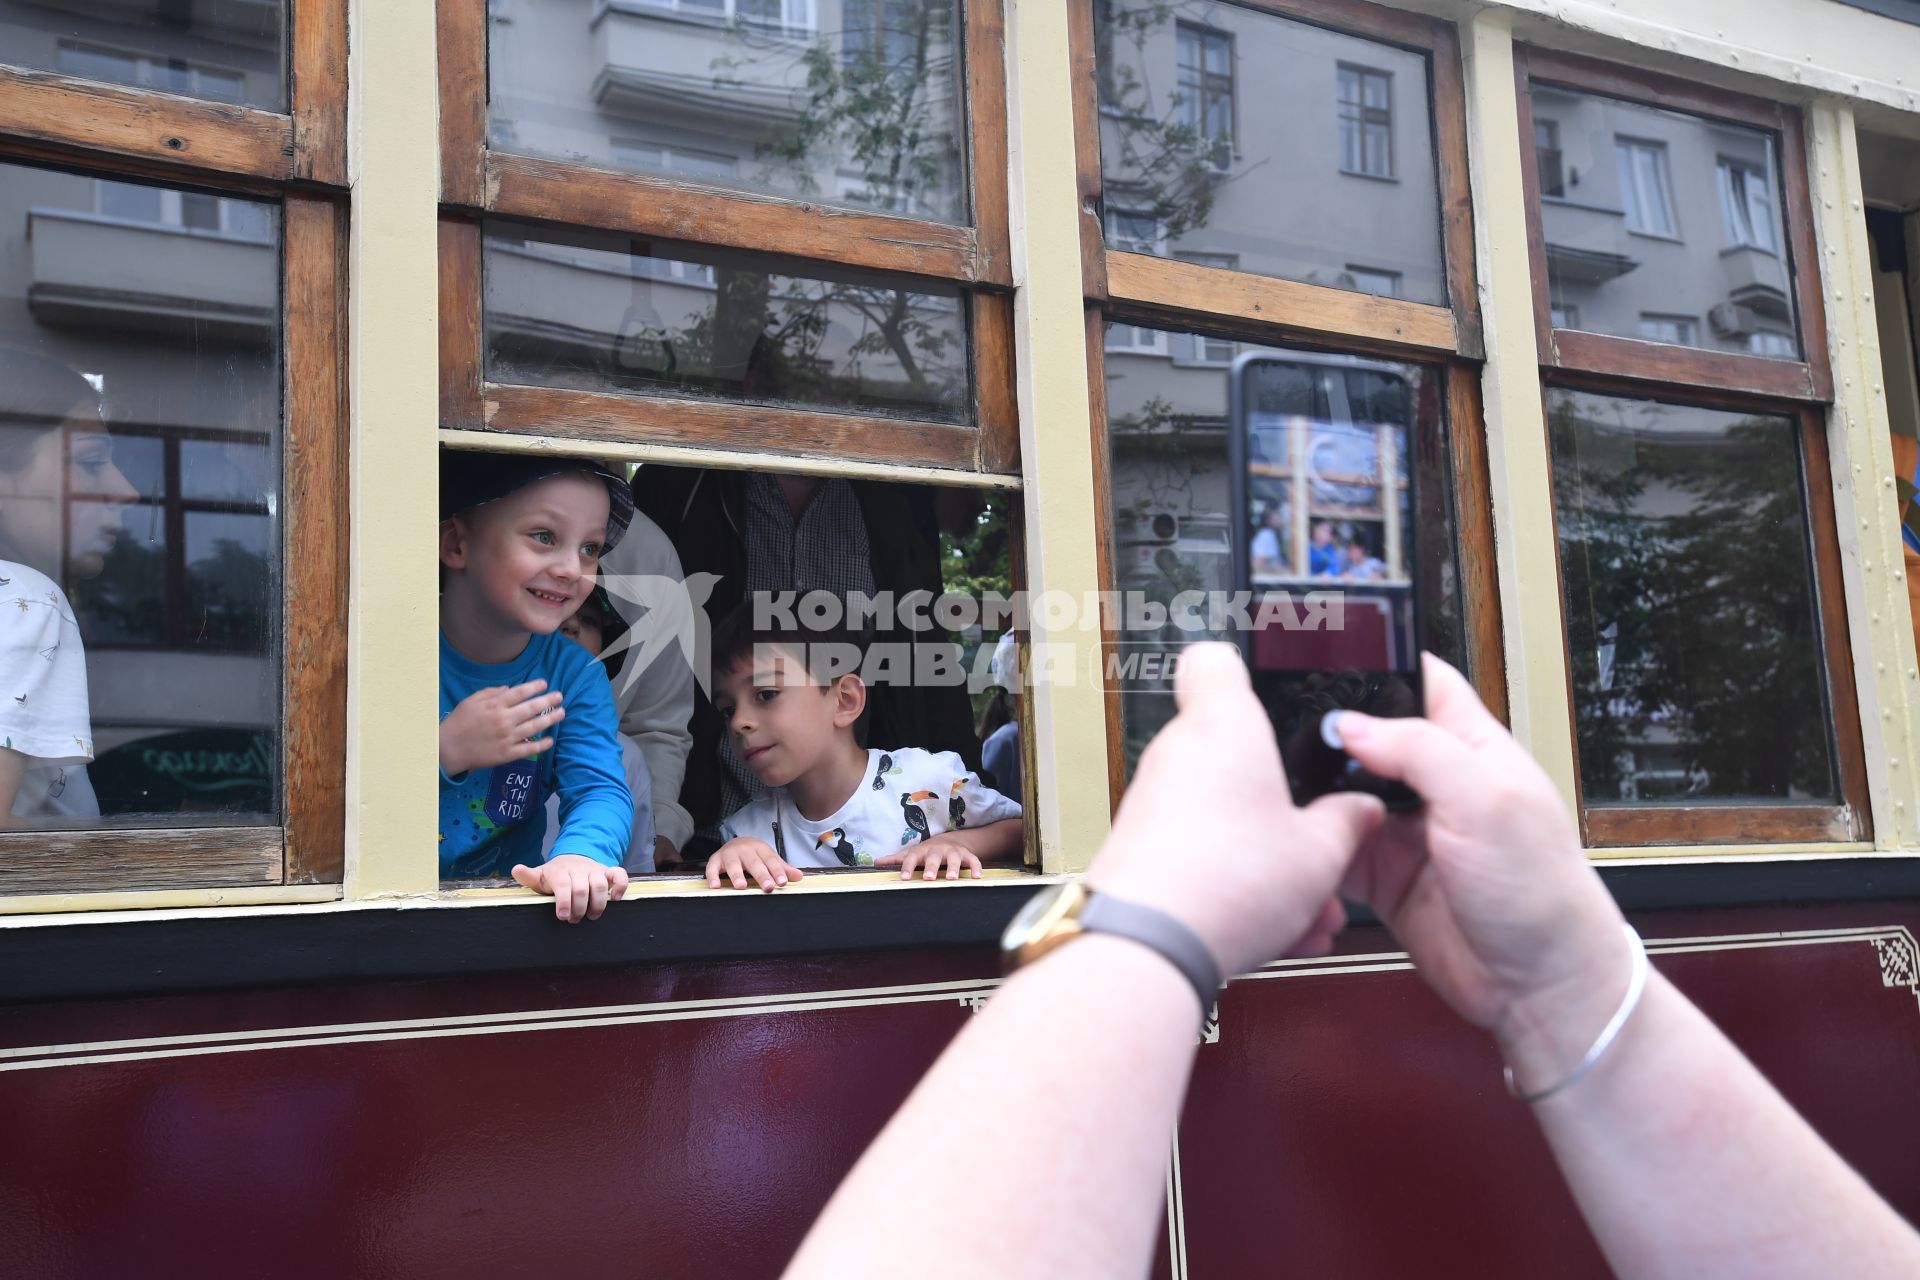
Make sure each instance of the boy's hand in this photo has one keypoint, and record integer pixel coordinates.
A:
(496, 725)
(744, 859)
(581, 887)
(945, 849)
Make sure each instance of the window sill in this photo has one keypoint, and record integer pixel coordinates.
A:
(1655, 235)
(1371, 177)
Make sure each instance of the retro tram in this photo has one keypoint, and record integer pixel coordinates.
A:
(1574, 342)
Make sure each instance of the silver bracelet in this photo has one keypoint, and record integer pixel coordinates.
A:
(1636, 986)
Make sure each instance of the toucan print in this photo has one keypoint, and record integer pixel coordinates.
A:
(842, 847)
(880, 773)
(956, 805)
(916, 820)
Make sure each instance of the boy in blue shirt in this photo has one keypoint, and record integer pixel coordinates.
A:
(524, 711)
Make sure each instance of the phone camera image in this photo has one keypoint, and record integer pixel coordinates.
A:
(1324, 548)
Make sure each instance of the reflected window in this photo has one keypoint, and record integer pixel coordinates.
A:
(233, 52)
(1345, 488)
(860, 103)
(1692, 625)
(1197, 161)
(1381, 284)
(603, 312)
(1366, 122)
(1629, 239)
(140, 460)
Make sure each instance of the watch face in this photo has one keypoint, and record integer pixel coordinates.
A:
(1029, 917)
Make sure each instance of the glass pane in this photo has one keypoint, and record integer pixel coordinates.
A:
(229, 52)
(1299, 193)
(1652, 211)
(865, 109)
(1691, 621)
(140, 408)
(1326, 436)
(605, 312)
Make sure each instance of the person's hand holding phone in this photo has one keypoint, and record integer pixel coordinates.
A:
(1487, 887)
(1209, 832)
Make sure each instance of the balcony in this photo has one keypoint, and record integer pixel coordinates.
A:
(1583, 242)
(651, 61)
(94, 272)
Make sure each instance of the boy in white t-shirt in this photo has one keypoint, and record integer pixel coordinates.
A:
(46, 736)
(836, 803)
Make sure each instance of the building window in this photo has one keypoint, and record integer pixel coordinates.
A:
(1746, 205)
(1645, 193)
(1546, 154)
(1566, 317)
(1206, 90)
(1129, 231)
(787, 15)
(658, 157)
(1136, 340)
(1682, 331)
(1771, 343)
(186, 210)
(1366, 121)
(1381, 284)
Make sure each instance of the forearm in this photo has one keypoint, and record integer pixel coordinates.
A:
(1063, 1159)
(13, 768)
(995, 842)
(1685, 1161)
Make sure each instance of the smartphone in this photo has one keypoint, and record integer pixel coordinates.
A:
(1323, 524)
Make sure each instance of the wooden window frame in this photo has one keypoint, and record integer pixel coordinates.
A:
(477, 182)
(307, 846)
(1807, 379)
(1633, 368)
(307, 143)
(1167, 292)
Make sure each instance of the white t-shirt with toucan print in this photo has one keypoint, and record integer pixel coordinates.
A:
(906, 796)
(43, 708)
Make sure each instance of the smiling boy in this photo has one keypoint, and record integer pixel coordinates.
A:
(836, 803)
(525, 712)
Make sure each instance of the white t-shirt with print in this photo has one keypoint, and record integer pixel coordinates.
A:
(43, 696)
(905, 796)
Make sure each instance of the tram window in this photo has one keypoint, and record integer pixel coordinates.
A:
(922, 575)
(140, 501)
(233, 53)
(1331, 444)
(604, 312)
(857, 103)
(1189, 145)
(1693, 627)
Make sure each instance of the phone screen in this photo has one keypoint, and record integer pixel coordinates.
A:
(1323, 529)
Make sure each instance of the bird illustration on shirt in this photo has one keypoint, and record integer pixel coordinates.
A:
(916, 820)
(880, 773)
(956, 806)
(842, 847)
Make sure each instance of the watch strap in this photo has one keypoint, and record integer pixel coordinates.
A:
(1158, 931)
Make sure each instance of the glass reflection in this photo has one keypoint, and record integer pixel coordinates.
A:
(848, 102)
(1691, 622)
(1662, 226)
(232, 52)
(1239, 139)
(1327, 439)
(603, 312)
(139, 334)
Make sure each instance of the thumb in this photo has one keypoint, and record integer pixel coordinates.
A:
(1349, 818)
(1417, 752)
(534, 878)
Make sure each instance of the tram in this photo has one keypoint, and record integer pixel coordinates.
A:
(1573, 343)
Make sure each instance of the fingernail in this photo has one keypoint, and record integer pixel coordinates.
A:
(1330, 730)
(780, 879)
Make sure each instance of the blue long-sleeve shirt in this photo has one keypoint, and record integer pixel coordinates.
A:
(491, 819)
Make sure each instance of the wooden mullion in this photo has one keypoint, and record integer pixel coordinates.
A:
(462, 325)
(1803, 258)
(996, 404)
(986, 38)
(314, 741)
(1685, 369)
(318, 91)
(548, 191)
(726, 426)
(1456, 192)
(147, 858)
(1179, 292)
(1836, 644)
(1652, 825)
(462, 38)
(1101, 438)
(1669, 93)
(1473, 527)
(177, 134)
(1086, 146)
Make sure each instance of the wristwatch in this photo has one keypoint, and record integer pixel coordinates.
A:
(1062, 912)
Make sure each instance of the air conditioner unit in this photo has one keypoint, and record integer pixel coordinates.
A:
(1730, 320)
(1157, 524)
